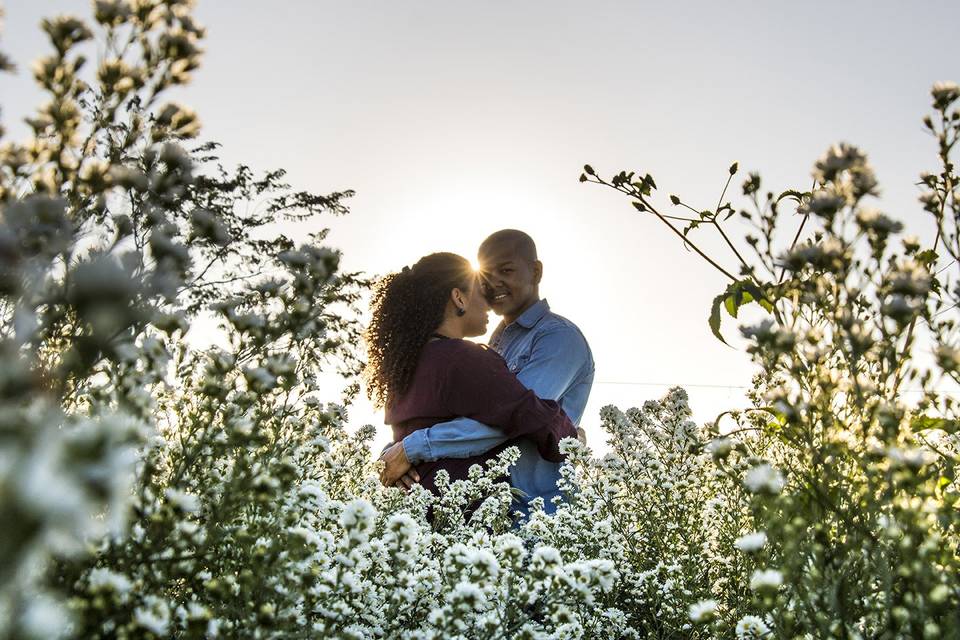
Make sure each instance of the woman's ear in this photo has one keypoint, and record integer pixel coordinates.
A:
(458, 299)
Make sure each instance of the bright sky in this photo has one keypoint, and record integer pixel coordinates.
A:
(454, 119)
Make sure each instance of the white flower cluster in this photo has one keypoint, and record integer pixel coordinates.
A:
(172, 492)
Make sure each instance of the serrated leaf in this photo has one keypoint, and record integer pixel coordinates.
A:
(793, 194)
(928, 256)
(735, 296)
(757, 294)
(730, 303)
(714, 320)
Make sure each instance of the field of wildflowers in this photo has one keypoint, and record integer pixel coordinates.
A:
(150, 489)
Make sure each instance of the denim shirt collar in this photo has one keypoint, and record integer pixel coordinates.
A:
(529, 318)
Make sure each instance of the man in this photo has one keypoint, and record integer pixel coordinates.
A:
(547, 352)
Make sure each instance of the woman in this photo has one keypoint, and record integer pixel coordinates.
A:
(422, 371)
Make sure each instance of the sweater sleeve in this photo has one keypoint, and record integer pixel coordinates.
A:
(479, 385)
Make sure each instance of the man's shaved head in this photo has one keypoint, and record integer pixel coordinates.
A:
(511, 272)
(519, 243)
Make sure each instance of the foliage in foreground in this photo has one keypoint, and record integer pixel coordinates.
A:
(150, 488)
(860, 509)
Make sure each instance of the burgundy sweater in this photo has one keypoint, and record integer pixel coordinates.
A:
(457, 378)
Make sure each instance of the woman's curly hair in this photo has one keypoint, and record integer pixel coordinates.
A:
(407, 307)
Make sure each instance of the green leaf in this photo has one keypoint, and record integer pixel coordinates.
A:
(757, 294)
(715, 317)
(928, 257)
(793, 194)
(731, 304)
(780, 418)
(924, 423)
(735, 296)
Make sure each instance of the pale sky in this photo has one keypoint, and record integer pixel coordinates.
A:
(453, 119)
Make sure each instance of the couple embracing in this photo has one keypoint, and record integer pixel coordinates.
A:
(453, 403)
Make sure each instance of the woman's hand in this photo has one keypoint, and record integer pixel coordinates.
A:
(397, 470)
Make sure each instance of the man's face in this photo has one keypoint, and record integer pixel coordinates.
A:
(511, 281)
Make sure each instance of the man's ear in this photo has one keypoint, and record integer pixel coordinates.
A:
(537, 271)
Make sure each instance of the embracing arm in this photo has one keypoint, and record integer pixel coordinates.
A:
(557, 358)
(460, 438)
(479, 385)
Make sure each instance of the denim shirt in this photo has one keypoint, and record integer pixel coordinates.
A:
(551, 357)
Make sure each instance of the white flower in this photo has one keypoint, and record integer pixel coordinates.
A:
(546, 555)
(766, 579)
(45, 618)
(186, 502)
(154, 615)
(241, 427)
(751, 542)
(259, 379)
(604, 573)
(839, 157)
(703, 611)
(751, 628)
(720, 447)
(911, 458)
(469, 594)
(309, 537)
(510, 547)
(873, 219)
(46, 487)
(944, 94)
(358, 518)
(764, 479)
(105, 579)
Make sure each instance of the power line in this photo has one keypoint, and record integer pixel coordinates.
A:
(698, 386)
(669, 384)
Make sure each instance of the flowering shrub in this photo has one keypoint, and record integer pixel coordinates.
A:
(150, 488)
(852, 487)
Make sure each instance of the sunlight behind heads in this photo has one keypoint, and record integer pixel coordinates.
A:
(477, 117)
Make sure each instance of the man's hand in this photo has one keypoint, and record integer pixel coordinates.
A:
(581, 435)
(397, 470)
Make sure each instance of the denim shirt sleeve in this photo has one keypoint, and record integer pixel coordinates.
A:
(460, 438)
(557, 358)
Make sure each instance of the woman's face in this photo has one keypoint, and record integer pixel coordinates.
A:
(476, 307)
